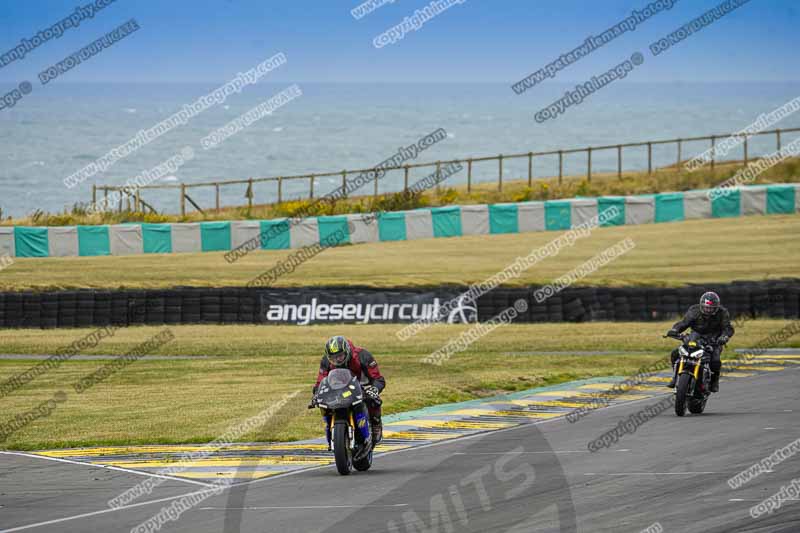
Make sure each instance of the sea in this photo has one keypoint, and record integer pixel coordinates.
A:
(54, 132)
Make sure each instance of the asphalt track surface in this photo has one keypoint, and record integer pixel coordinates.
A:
(538, 477)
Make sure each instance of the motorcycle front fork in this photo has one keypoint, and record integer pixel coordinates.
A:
(361, 417)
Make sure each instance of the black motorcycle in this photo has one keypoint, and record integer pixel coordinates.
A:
(693, 385)
(347, 428)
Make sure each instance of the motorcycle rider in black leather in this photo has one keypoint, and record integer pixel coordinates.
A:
(712, 321)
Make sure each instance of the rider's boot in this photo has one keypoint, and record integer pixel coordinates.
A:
(377, 429)
(714, 385)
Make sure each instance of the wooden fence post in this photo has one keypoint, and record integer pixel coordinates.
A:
(183, 199)
(252, 193)
(94, 194)
(589, 164)
(405, 177)
(469, 175)
(216, 185)
(745, 150)
(344, 184)
(713, 151)
(500, 173)
(530, 169)
(560, 166)
(649, 158)
(778, 139)
(311, 192)
(619, 161)
(280, 189)
(137, 203)
(678, 163)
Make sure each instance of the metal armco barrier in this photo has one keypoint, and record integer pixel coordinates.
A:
(238, 305)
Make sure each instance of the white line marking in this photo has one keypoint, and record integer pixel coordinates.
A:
(769, 428)
(304, 507)
(654, 473)
(108, 467)
(754, 500)
(101, 511)
(521, 453)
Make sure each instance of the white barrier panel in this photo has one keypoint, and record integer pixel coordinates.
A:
(125, 239)
(530, 216)
(186, 238)
(419, 224)
(753, 200)
(304, 233)
(696, 205)
(583, 210)
(360, 230)
(474, 219)
(6, 241)
(243, 231)
(62, 241)
(640, 209)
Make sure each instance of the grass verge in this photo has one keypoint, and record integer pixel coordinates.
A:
(250, 367)
(665, 255)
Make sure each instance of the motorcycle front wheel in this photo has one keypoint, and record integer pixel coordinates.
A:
(341, 449)
(681, 392)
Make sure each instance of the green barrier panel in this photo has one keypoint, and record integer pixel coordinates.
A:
(157, 238)
(780, 199)
(93, 240)
(669, 207)
(392, 227)
(610, 202)
(727, 205)
(275, 234)
(503, 219)
(215, 236)
(446, 221)
(31, 242)
(557, 215)
(333, 231)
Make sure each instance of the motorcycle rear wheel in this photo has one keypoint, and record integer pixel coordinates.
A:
(341, 450)
(684, 380)
(697, 406)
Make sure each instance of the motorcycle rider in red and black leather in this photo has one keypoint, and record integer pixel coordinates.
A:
(340, 352)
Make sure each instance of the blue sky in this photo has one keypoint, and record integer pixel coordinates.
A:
(477, 41)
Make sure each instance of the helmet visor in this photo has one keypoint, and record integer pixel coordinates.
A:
(338, 359)
(708, 307)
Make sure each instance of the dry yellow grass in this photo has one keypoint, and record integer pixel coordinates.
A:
(163, 401)
(665, 254)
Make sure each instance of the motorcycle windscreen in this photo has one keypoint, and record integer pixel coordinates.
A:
(339, 378)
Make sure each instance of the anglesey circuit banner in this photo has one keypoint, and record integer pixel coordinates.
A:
(328, 306)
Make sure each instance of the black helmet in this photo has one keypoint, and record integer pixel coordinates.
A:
(709, 303)
(338, 352)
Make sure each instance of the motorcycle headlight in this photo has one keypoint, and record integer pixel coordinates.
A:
(697, 353)
(682, 351)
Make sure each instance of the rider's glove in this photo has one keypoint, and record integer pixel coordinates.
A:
(672, 333)
(313, 403)
(723, 339)
(372, 392)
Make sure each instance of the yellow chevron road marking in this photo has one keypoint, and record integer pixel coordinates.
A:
(222, 461)
(449, 424)
(758, 368)
(419, 435)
